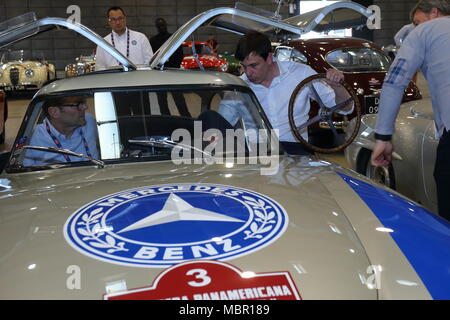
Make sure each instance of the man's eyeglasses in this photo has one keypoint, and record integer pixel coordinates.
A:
(120, 19)
(77, 105)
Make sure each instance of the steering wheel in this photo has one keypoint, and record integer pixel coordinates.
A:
(324, 115)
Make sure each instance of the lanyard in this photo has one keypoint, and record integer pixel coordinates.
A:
(59, 145)
(128, 42)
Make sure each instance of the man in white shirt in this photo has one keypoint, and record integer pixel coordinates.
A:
(132, 44)
(273, 82)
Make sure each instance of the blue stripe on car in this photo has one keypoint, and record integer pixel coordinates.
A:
(422, 236)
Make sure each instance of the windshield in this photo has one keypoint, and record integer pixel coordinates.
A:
(140, 125)
(358, 60)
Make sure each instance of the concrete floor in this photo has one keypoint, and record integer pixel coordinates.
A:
(17, 105)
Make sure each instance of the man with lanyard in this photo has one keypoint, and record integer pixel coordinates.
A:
(273, 82)
(132, 44)
(426, 48)
(66, 126)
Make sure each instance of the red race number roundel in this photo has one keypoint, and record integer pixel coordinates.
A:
(213, 280)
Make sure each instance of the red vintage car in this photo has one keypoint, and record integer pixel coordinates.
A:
(3, 115)
(209, 60)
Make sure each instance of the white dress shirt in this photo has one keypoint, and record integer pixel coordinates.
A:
(140, 50)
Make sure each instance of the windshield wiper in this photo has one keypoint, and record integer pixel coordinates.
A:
(99, 163)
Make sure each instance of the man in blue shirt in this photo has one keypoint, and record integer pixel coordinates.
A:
(66, 126)
(426, 48)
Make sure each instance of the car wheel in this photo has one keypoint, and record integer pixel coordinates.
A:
(382, 175)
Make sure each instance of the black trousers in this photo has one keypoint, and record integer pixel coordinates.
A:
(442, 175)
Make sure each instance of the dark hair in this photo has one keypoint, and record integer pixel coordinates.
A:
(427, 5)
(115, 8)
(253, 42)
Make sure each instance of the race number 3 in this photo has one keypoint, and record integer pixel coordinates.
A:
(201, 277)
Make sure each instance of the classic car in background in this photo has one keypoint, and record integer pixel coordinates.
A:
(158, 207)
(20, 72)
(82, 65)
(209, 60)
(411, 171)
(3, 115)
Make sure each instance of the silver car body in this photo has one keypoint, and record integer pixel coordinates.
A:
(319, 225)
(415, 146)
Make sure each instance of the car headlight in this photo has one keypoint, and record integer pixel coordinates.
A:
(29, 73)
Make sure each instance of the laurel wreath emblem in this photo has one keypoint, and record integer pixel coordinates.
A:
(93, 231)
(264, 218)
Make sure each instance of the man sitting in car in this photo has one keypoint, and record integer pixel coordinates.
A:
(66, 126)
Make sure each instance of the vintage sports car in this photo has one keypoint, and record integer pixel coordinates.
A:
(204, 54)
(3, 115)
(415, 152)
(17, 72)
(82, 65)
(172, 207)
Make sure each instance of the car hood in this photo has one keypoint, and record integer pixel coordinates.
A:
(318, 245)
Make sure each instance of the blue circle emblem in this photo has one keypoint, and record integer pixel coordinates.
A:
(158, 226)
